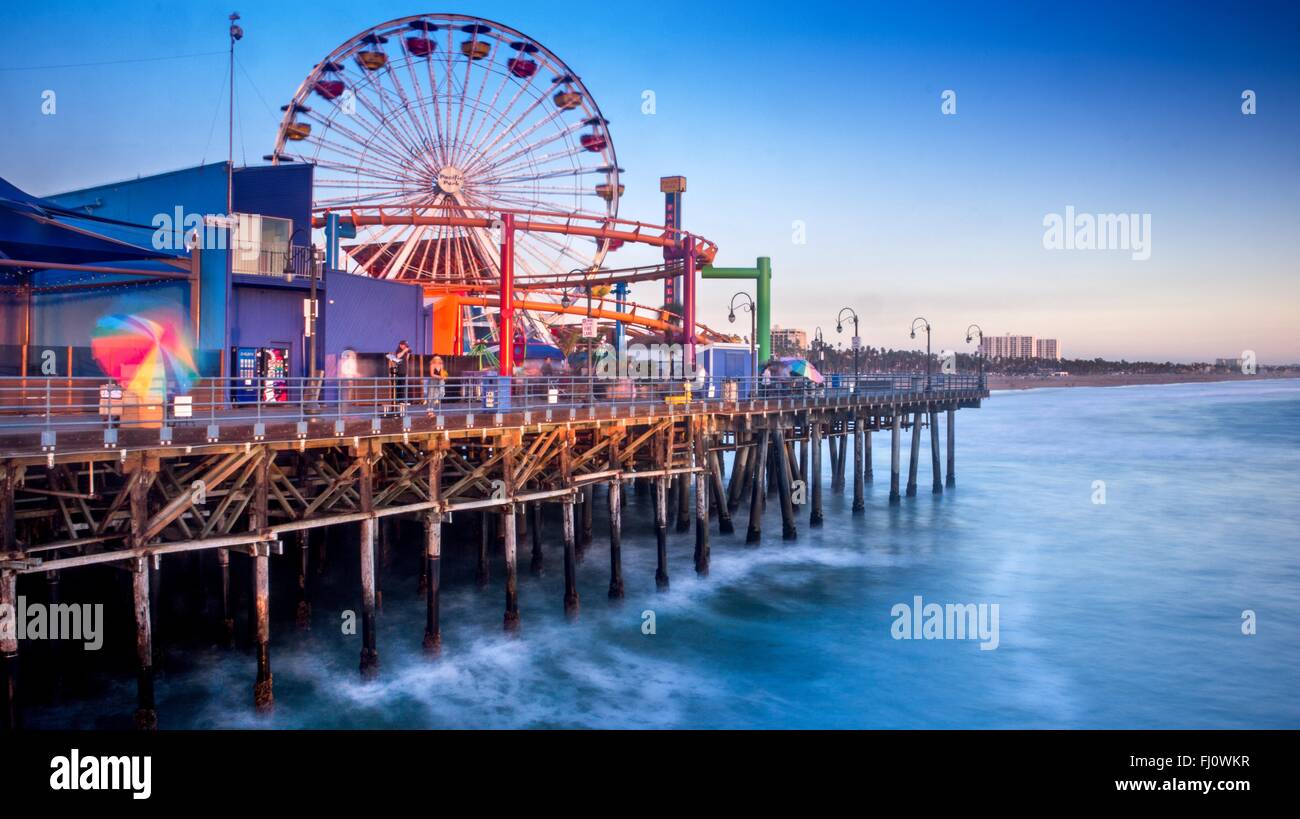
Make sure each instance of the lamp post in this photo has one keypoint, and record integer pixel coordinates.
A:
(819, 344)
(979, 350)
(926, 327)
(857, 341)
(753, 328)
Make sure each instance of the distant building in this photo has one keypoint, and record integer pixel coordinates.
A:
(788, 341)
(1232, 363)
(1047, 348)
(1007, 346)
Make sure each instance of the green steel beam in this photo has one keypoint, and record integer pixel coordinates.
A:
(761, 273)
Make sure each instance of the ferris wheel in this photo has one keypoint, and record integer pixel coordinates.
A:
(442, 114)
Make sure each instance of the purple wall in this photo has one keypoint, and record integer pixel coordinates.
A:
(269, 317)
(371, 316)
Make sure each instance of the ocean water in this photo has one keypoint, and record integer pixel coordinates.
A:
(1114, 615)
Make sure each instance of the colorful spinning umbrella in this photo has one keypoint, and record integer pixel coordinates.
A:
(803, 367)
(145, 352)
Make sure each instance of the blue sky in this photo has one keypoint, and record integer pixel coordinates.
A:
(819, 114)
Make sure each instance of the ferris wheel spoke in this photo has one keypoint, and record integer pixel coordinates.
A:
(522, 188)
(543, 160)
(423, 137)
(502, 131)
(562, 248)
(378, 121)
(381, 269)
(431, 105)
(428, 242)
(502, 113)
(394, 156)
(381, 199)
(486, 73)
(360, 171)
(556, 174)
(384, 119)
(434, 134)
(492, 106)
(489, 157)
(534, 163)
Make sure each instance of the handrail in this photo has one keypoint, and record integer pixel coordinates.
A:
(50, 406)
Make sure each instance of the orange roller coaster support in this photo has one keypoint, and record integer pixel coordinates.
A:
(574, 310)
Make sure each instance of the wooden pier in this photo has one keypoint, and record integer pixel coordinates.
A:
(139, 503)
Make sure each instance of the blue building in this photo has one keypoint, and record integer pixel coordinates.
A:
(249, 292)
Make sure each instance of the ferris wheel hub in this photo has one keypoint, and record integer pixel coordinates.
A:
(450, 180)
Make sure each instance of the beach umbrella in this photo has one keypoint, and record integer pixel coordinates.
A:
(804, 368)
(145, 352)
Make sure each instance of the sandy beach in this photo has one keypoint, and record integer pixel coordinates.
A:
(1031, 382)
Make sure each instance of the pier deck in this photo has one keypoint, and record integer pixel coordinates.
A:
(132, 489)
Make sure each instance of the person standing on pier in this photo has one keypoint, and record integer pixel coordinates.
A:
(435, 386)
(397, 369)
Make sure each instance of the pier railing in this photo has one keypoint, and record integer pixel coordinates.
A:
(49, 406)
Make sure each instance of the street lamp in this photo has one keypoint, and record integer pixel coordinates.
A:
(748, 304)
(857, 342)
(979, 350)
(926, 324)
(819, 344)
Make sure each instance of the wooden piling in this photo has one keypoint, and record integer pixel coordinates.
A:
(803, 455)
(815, 434)
(141, 471)
(859, 496)
(365, 487)
(936, 471)
(588, 507)
(8, 520)
(725, 526)
(952, 447)
(8, 636)
(9, 714)
(842, 455)
(571, 602)
(739, 471)
(915, 455)
(830, 447)
(302, 617)
(755, 533)
(867, 470)
(155, 615)
(433, 558)
(615, 523)
(146, 717)
(263, 696)
(227, 613)
(537, 565)
(683, 499)
(484, 537)
(508, 523)
(895, 449)
(663, 457)
(700, 442)
(788, 529)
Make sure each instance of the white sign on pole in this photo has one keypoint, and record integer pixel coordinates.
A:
(589, 328)
(857, 342)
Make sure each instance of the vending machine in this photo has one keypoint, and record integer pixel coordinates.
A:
(261, 374)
